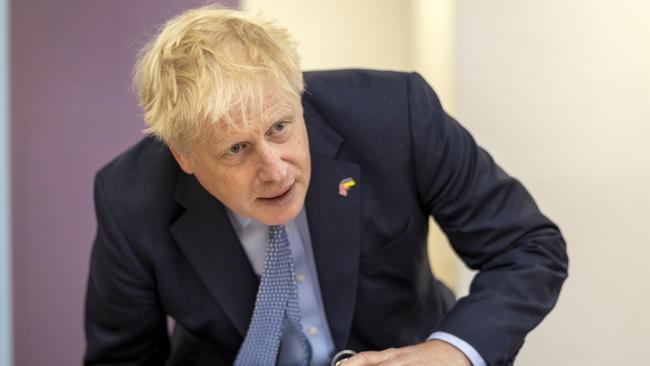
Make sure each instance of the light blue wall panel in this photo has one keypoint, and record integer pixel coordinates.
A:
(5, 269)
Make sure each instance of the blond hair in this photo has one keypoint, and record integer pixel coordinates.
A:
(207, 63)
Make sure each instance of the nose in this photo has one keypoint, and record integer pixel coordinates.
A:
(272, 168)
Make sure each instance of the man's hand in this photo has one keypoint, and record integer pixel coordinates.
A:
(433, 352)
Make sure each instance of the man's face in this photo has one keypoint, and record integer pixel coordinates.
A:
(261, 171)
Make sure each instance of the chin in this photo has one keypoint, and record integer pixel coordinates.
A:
(281, 218)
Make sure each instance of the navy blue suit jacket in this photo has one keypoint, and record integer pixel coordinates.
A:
(165, 246)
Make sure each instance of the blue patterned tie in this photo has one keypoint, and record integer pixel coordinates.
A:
(277, 299)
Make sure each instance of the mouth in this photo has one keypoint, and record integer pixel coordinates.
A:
(279, 197)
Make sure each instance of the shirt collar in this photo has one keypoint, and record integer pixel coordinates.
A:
(241, 220)
(244, 221)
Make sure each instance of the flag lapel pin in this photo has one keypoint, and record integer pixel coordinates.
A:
(345, 185)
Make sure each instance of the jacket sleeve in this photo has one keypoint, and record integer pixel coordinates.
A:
(495, 227)
(124, 323)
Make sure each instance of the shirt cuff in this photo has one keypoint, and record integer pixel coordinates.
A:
(469, 351)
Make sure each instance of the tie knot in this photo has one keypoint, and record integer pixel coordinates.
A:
(277, 230)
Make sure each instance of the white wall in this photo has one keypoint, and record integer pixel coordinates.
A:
(5, 256)
(559, 92)
(434, 47)
(344, 34)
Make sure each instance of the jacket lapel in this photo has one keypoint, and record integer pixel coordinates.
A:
(334, 225)
(206, 237)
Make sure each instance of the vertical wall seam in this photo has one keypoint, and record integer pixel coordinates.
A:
(5, 201)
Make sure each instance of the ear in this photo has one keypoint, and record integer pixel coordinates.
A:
(182, 160)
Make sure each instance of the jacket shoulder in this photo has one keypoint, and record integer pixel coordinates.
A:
(141, 179)
(358, 103)
(316, 81)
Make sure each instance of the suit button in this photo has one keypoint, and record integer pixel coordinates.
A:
(313, 331)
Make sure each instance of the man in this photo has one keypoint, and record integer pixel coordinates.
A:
(277, 219)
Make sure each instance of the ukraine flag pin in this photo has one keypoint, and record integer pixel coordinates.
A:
(345, 185)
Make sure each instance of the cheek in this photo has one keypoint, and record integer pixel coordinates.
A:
(305, 158)
(220, 184)
(301, 146)
(236, 185)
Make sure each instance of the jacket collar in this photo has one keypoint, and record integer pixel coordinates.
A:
(208, 240)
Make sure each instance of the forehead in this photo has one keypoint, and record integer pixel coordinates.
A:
(258, 111)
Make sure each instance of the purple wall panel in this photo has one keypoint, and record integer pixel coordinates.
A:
(72, 110)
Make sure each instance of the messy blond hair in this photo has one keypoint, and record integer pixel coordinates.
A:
(206, 64)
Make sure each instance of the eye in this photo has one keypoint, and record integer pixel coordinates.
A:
(235, 149)
(279, 127)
